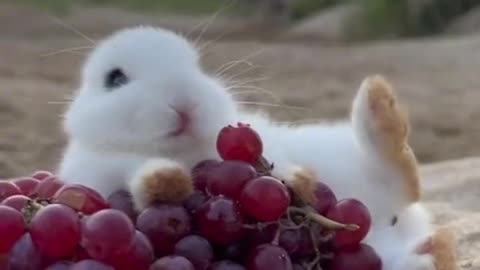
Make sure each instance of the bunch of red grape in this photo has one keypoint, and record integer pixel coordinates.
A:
(239, 217)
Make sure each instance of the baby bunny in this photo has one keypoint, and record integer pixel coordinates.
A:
(146, 113)
(143, 95)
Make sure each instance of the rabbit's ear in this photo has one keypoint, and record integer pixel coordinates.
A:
(381, 127)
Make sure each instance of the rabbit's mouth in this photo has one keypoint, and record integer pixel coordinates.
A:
(183, 123)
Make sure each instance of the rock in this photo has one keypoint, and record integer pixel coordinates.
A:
(329, 25)
(466, 24)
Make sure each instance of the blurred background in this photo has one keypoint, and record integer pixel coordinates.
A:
(299, 59)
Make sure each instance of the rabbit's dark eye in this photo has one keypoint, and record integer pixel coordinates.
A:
(115, 78)
(394, 221)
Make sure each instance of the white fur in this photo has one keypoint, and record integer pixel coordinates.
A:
(113, 133)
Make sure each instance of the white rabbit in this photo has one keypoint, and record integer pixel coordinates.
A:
(146, 113)
(143, 95)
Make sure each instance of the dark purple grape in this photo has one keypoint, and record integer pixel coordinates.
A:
(229, 177)
(227, 265)
(26, 256)
(298, 267)
(324, 198)
(164, 225)
(197, 250)
(297, 242)
(195, 201)
(220, 221)
(60, 266)
(122, 200)
(172, 262)
(268, 256)
(90, 265)
(200, 173)
(359, 257)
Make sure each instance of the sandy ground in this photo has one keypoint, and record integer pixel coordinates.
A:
(438, 80)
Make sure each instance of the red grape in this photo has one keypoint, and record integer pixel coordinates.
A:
(196, 249)
(7, 189)
(27, 185)
(60, 266)
(16, 201)
(122, 200)
(12, 227)
(55, 230)
(47, 188)
(80, 198)
(239, 143)
(229, 177)
(25, 255)
(107, 233)
(324, 198)
(164, 225)
(41, 175)
(350, 211)
(220, 221)
(227, 265)
(200, 173)
(172, 262)
(195, 201)
(265, 199)
(139, 257)
(90, 265)
(358, 257)
(268, 256)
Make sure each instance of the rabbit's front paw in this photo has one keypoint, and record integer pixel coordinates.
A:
(160, 180)
(436, 252)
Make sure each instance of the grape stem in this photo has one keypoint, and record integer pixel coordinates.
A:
(30, 209)
(323, 221)
(259, 226)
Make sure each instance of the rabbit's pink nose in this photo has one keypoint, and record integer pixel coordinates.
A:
(183, 123)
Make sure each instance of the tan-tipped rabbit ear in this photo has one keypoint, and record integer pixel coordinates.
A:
(382, 126)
